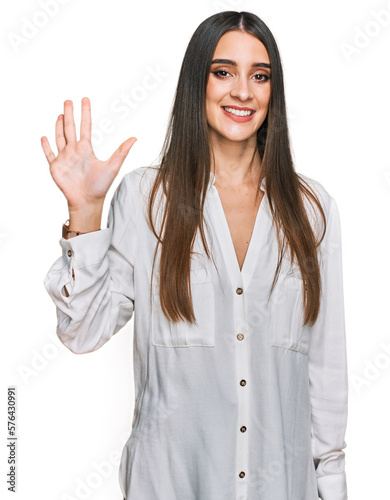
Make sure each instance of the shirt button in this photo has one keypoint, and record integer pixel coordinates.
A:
(243, 428)
(240, 336)
(242, 382)
(242, 474)
(70, 253)
(239, 291)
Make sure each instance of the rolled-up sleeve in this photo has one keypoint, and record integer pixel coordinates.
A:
(92, 283)
(328, 369)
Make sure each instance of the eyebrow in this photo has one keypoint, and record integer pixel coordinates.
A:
(233, 63)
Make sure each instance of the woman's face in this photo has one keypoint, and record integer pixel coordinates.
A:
(241, 82)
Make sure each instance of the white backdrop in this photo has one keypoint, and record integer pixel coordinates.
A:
(74, 412)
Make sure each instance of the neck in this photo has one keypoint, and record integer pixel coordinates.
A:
(235, 163)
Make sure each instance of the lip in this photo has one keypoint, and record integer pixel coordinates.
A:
(241, 108)
(239, 118)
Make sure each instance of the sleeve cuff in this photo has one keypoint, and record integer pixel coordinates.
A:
(86, 249)
(332, 487)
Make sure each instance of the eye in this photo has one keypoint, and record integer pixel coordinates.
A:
(219, 71)
(266, 77)
(223, 73)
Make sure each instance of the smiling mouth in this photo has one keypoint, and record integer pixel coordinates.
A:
(237, 112)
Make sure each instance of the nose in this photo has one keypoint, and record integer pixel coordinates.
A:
(241, 89)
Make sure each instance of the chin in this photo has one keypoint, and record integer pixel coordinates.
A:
(227, 135)
(236, 137)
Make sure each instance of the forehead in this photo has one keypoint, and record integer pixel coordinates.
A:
(241, 47)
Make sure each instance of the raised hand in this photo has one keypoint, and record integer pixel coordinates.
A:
(82, 178)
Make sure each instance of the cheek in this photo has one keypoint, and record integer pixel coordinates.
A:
(208, 95)
(263, 100)
(213, 91)
(212, 98)
(266, 96)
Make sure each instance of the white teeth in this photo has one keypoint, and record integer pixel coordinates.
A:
(237, 112)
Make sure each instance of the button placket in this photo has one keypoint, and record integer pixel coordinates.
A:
(68, 256)
(241, 353)
(238, 279)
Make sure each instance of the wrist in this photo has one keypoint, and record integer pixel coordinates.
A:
(86, 210)
(85, 219)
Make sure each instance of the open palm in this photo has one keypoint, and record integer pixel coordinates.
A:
(83, 178)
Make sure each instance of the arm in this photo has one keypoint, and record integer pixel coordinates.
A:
(328, 370)
(99, 300)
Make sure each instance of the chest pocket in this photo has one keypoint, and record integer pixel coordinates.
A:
(165, 333)
(286, 315)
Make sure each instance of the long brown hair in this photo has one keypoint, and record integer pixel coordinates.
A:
(185, 173)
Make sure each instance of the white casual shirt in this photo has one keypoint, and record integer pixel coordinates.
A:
(245, 404)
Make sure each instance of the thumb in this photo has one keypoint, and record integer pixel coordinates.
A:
(118, 157)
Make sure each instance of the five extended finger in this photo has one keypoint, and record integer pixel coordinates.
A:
(118, 157)
(50, 156)
(85, 127)
(69, 126)
(60, 138)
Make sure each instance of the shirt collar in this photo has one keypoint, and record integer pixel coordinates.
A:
(212, 182)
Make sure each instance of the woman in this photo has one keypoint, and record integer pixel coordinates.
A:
(231, 263)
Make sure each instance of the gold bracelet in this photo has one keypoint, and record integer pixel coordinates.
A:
(66, 233)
